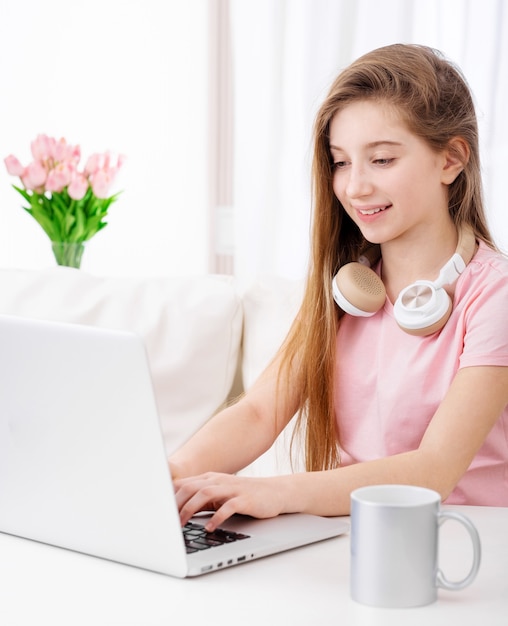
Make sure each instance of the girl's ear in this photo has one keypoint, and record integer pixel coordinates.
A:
(456, 156)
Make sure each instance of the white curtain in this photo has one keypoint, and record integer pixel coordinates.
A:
(285, 55)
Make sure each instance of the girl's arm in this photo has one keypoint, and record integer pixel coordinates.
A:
(459, 427)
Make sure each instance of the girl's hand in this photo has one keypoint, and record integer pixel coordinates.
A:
(227, 494)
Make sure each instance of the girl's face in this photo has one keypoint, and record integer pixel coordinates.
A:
(388, 180)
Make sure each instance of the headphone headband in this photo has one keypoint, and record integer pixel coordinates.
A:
(454, 267)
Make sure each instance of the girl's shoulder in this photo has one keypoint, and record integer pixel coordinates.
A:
(484, 281)
(488, 263)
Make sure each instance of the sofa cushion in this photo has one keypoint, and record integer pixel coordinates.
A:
(270, 306)
(191, 327)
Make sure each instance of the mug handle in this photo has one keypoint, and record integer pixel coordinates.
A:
(441, 579)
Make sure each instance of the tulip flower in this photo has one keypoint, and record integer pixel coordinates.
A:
(60, 176)
(78, 187)
(34, 175)
(14, 167)
(41, 147)
(94, 164)
(101, 182)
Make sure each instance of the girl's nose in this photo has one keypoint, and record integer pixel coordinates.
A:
(358, 183)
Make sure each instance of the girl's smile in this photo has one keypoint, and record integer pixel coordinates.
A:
(365, 211)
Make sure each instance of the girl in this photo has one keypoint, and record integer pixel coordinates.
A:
(382, 395)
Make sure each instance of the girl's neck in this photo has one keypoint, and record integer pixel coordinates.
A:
(416, 257)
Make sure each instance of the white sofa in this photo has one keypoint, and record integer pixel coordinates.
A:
(205, 340)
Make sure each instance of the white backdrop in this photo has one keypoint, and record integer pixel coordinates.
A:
(132, 76)
(121, 75)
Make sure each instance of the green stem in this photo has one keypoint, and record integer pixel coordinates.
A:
(67, 253)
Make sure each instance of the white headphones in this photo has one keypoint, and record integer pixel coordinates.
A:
(422, 308)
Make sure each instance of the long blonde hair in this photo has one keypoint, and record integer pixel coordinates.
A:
(435, 102)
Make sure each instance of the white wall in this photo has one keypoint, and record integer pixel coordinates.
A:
(121, 75)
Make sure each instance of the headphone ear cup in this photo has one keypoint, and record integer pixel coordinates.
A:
(358, 290)
(421, 309)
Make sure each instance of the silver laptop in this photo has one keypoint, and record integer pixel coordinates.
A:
(82, 459)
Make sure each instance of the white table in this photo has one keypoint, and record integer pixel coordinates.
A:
(41, 585)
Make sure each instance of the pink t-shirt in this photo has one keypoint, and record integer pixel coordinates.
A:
(389, 383)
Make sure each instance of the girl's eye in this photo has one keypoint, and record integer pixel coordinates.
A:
(383, 161)
(339, 165)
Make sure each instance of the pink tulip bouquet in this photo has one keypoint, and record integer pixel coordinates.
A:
(69, 203)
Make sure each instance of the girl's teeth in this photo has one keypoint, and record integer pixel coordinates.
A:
(373, 211)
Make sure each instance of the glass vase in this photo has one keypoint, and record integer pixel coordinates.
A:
(68, 253)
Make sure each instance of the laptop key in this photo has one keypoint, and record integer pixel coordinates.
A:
(195, 546)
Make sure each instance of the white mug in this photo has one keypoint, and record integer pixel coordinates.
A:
(394, 546)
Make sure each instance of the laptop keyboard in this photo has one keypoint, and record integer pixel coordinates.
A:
(197, 538)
